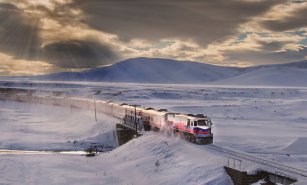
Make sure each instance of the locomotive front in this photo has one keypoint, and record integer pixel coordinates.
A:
(195, 128)
(202, 130)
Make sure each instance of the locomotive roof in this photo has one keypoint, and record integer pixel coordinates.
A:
(150, 110)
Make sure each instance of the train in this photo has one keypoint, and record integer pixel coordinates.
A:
(194, 128)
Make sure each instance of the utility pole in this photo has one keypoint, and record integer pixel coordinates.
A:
(70, 105)
(95, 110)
(136, 127)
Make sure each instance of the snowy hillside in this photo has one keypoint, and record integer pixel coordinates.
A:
(269, 76)
(166, 71)
(147, 70)
(300, 64)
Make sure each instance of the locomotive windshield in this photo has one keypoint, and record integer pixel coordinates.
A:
(202, 123)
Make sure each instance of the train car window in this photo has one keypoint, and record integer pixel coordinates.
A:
(188, 122)
(202, 122)
(195, 123)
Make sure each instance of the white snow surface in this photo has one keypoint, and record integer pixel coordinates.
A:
(40, 127)
(269, 76)
(150, 159)
(266, 122)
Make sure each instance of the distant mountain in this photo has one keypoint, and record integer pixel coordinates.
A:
(153, 70)
(283, 75)
(150, 70)
(288, 74)
(300, 64)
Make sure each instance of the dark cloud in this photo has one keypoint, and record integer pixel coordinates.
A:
(7, 6)
(62, 33)
(20, 38)
(204, 21)
(266, 57)
(296, 20)
(78, 54)
(18, 33)
(272, 45)
(61, 13)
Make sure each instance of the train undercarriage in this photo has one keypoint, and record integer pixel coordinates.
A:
(197, 139)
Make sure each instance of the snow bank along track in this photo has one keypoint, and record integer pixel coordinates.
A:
(196, 128)
(117, 111)
(51, 98)
(256, 159)
(35, 152)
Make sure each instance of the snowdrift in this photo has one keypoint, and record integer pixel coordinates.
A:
(297, 146)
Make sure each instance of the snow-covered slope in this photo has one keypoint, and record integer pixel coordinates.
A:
(270, 76)
(166, 71)
(150, 70)
(265, 122)
(42, 127)
(300, 64)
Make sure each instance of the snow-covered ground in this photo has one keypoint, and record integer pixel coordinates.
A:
(269, 76)
(267, 122)
(150, 159)
(40, 127)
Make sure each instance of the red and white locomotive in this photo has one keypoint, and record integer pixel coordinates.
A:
(195, 128)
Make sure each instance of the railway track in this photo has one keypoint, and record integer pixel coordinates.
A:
(259, 160)
(39, 152)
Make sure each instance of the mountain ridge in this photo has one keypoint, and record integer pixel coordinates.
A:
(149, 70)
(167, 71)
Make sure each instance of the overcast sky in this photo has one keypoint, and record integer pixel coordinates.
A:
(43, 36)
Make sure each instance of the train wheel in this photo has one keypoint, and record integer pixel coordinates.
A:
(199, 141)
(176, 133)
(192, 138)
(182, 135)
